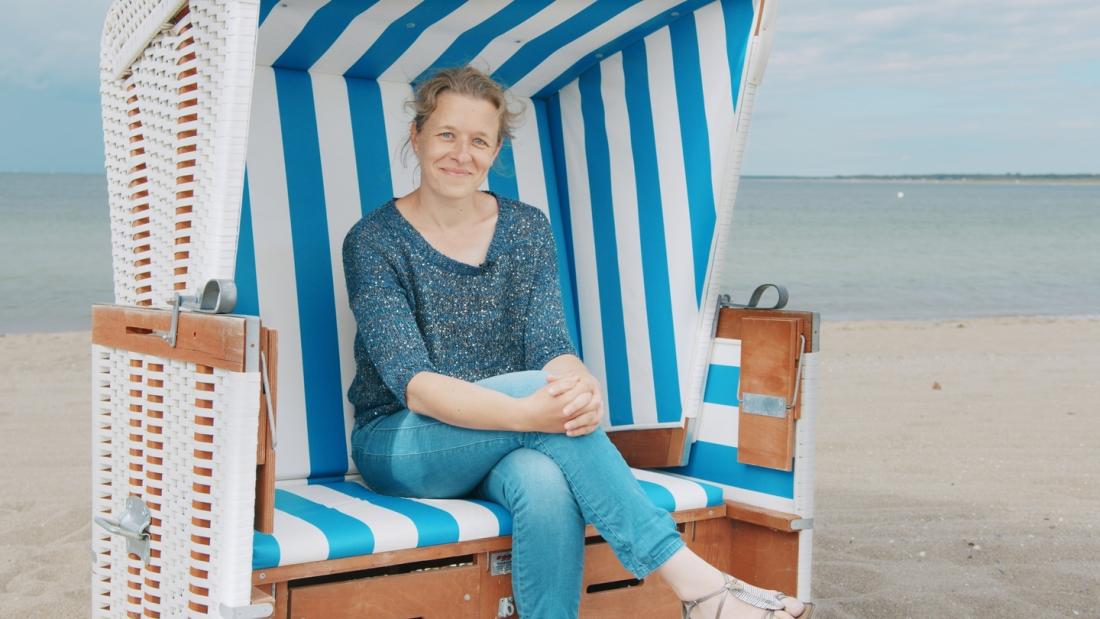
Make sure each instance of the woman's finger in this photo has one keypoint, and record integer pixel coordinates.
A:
(577, 404)
(587, 424)
(561, 385)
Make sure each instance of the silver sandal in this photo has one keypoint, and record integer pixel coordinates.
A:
(753, 596)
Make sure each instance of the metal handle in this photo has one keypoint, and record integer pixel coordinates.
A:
(133, 525)
(115, 527)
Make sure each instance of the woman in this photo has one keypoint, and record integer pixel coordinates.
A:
(455, 292)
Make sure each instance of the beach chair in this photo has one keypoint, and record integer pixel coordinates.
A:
(244, 139)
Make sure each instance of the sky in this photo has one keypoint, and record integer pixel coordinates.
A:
(852, 87)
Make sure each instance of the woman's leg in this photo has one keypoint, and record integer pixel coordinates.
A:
(642, 535)
(414, 455)
(547, 533)
(408, 454)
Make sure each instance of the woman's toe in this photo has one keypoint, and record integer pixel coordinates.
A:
(793, 607)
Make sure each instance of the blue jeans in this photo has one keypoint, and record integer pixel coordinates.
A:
(551, 483)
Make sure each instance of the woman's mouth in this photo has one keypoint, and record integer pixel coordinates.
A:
(455, 171)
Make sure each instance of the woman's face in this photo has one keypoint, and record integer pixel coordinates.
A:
(457, 145)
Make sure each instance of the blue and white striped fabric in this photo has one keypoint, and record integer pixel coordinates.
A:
(630, 110)
(335, 519)
(714, 454)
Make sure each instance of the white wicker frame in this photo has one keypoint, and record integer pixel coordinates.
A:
(181, 437)
(176, 82)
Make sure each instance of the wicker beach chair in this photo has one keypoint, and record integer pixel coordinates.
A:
(244, 139)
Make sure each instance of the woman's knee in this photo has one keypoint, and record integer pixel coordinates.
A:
(516, 384)
(534, 482)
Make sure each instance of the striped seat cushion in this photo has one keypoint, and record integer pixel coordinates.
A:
(331, 520)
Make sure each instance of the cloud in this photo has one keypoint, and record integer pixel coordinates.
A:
(938, 40)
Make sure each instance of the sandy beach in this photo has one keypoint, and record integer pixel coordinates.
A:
(958, 470)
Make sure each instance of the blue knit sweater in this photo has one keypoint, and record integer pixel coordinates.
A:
(417, 310)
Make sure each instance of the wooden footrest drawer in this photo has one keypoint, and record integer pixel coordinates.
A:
(442, 592)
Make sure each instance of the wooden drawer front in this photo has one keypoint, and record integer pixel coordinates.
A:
(649, 598)
(443, 593)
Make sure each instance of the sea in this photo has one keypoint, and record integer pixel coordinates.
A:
(851, 250)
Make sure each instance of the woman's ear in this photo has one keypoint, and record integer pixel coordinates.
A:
(412, 137)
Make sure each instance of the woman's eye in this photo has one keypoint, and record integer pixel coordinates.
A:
(446, 135)
(480, 142)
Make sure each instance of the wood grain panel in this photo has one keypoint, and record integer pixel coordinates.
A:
(265, 457)
(206, 339)
(650, 448)
(444, 593)
(756, 554)
(769, 351)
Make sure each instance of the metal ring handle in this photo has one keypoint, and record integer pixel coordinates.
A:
(757, 294)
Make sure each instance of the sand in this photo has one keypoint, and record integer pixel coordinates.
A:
(977, 498)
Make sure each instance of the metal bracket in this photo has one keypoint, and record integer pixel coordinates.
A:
(218, 296)
(802, 524)
(764, 405)
(133, 524)
(252, 611)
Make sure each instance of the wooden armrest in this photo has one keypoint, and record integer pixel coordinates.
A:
(780, 521)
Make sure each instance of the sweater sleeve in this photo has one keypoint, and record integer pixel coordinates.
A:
(384, 315)
(546, 335)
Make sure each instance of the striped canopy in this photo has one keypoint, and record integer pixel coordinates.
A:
(627, 143)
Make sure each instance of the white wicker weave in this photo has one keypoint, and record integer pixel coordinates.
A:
(182, 438)
(175, 119)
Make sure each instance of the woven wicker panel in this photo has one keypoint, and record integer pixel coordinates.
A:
(181, 437)
(175, 122)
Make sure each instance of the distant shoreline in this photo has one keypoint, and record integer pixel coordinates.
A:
(1009, 179)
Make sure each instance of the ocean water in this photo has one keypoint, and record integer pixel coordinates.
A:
(855, 250)
(850, 250)
(55, 251)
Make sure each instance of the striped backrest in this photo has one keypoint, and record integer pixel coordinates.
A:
(629, 115)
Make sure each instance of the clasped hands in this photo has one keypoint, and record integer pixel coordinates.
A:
(571, 402)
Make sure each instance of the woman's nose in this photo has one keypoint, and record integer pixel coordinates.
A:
(462, 152)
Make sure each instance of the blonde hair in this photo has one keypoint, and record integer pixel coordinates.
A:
(466, 81)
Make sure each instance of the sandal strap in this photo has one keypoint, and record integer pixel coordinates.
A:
(749, 594)
(755, 596)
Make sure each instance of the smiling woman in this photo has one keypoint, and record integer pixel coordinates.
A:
(467, 382)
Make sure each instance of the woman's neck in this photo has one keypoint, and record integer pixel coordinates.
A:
(444, 213)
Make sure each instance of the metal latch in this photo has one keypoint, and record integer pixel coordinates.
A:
(133, 524)
(218, 296)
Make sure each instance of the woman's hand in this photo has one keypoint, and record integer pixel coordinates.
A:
(544, 410)
(584, 401)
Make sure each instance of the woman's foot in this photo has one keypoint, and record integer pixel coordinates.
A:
(705, 590)
(735, 599)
